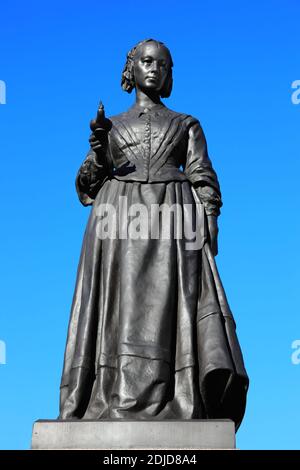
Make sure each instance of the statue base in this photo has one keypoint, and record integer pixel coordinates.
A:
(133, 435)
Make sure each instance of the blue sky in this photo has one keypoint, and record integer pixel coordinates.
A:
(235, 63)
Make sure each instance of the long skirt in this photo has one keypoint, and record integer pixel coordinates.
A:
(151, 335)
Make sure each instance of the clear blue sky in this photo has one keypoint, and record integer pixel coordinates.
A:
(235, 62)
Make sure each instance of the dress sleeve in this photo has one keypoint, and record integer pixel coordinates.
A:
(198, 169)
(90, 177)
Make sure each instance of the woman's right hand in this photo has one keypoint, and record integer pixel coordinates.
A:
(98, 141)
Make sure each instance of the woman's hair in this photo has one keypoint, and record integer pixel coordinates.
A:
(128, 80)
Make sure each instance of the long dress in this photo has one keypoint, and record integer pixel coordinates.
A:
(151, 334)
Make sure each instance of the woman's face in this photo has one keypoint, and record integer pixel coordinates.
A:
(151, 67)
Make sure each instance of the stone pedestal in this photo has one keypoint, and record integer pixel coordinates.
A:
(134, 435)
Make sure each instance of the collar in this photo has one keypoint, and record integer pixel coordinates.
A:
(138, 110)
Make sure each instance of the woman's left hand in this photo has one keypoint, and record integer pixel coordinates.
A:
(213, 230)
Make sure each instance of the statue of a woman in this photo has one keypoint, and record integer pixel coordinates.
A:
(151, 335)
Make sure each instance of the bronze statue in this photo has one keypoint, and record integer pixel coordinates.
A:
(151, 335)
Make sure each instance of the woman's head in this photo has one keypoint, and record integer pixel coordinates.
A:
(148, 67)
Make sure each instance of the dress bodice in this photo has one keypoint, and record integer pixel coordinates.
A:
(150, 146)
